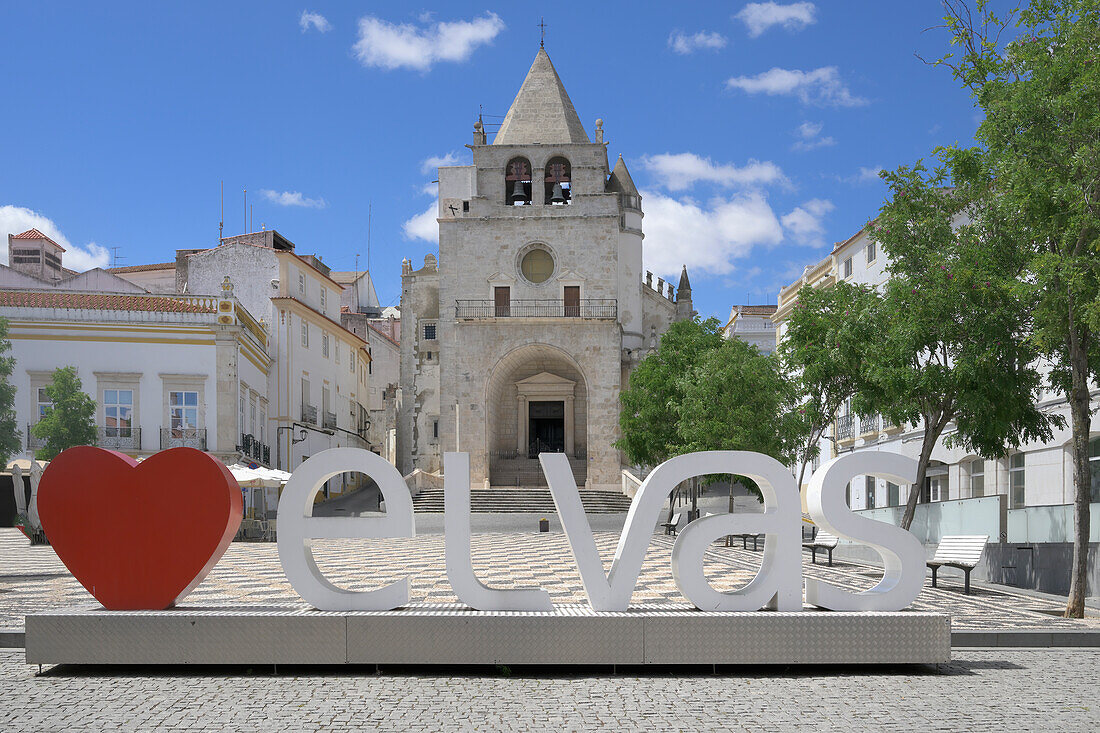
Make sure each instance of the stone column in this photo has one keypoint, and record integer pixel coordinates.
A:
(570, 422)
(521, 424)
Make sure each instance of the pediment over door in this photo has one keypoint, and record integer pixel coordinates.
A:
(545, 384)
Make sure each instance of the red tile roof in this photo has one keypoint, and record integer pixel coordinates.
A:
(100, 301)
(758, 310)
(144, 268)
(35, 234)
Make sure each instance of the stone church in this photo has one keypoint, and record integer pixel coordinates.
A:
(519, 337)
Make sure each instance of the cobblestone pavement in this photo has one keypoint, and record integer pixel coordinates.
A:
(33, 579)
(1003, 690)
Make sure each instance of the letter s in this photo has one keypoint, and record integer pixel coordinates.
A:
(902, 553)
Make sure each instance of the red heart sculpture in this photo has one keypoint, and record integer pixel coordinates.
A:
(139, 536)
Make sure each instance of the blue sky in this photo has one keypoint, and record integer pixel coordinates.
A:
(753, 129)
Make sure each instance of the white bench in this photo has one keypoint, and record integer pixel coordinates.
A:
(959, 551)
(823, 541)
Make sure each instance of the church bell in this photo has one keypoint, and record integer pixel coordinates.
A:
(558, 196)
(518, 195)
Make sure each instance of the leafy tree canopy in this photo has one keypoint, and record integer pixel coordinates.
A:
(70, 421)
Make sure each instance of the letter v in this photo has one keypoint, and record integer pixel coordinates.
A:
(610, 592)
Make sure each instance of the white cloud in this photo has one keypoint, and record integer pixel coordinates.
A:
(820, 86)
(423, 225)
(759, 17)
(868, 174)
(678, 171)
(292, 198)
(706, 238)
(682, 43)
(390, 46)
(803, 223)
(16, 219)
(314, 20)
(430, 164)
(809, 137)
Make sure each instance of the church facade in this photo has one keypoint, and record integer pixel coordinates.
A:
(520, 336)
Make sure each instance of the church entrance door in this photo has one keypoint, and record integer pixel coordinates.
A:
(547, 428)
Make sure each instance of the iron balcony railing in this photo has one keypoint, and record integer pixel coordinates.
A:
(330, 420)
(183, 438)
(118, 438)
(845, 425)
(599, 308)
(309, 414)
(868, 424)
(254, 449)
(34, 443)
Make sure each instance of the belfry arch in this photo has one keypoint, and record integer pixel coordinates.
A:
(536, 400)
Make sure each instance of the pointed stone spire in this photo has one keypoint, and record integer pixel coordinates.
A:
(620, 181)
(542, 111)
(685, 284)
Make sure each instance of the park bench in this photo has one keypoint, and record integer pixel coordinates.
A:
(958, 551)
(821, 541)
(675, 521)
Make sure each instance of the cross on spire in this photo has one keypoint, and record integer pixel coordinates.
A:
(542, 27)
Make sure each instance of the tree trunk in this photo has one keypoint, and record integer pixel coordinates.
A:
(931, 435)
(1082, 480)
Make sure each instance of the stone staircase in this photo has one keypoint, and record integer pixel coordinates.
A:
(527, 472)
(512, 500)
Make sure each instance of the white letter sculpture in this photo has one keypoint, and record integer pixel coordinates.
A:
(298, 527)
(460, 571)
(612, 592)
(902, 553)
(778, 584)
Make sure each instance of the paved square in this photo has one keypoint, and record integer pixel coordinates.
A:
(33, 579)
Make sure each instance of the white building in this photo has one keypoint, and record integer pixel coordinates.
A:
(1036, 475)
(752, 324)
(164, 371)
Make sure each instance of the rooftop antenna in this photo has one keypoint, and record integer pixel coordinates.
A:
(221, 220)
(250, 218)
(369, 208)
(246, 211)
(542, 27)
(115, 257)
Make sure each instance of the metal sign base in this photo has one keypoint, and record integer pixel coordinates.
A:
(455, 634)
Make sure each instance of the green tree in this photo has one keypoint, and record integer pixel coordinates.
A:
(736, 398)
(10, 441)
(950, 339)
(70, 420)
(648, 418)
(1038, 160)
(823, 349)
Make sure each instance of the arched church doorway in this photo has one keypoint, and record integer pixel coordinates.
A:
(537, 402)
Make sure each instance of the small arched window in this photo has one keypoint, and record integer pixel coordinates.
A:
(558, 182)
(517, 182)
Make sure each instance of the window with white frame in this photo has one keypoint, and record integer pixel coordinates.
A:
(44, 403)
(301, 283)
(240, 417)
(252, 416)
(324, 298)
(183, 413)
(869, 492)
(118, 412)
(324, 344)
(871, 252)
(351, 360)
(977, 478)
(262, 427)
(848, 267)
(429, 331)
(1016, 480)
(305, 335)
(893, 494)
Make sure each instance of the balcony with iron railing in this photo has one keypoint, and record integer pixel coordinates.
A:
(309, 414)
(329, 420)
(118, 438)
(183, 438)
(844, 428)
(591, 308)
(255, 450)
(868, 425)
